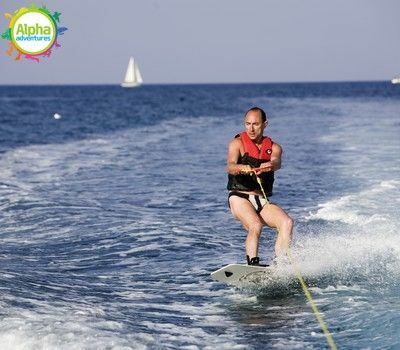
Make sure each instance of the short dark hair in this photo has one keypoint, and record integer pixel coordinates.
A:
(257, 109)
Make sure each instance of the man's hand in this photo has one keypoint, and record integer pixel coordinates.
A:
(264, 168)
(245, 169)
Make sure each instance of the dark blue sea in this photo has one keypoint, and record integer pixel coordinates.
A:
(113, 216)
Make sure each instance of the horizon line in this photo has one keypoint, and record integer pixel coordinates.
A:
(205, 83)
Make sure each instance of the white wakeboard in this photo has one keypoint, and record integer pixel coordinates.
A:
(242, 274)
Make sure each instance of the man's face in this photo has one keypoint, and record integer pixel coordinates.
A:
(254, 125)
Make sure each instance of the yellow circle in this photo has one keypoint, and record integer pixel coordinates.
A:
(23, 12)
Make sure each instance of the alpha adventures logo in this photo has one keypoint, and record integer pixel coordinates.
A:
(33, 32)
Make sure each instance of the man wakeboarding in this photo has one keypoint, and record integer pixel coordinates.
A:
(252, 160)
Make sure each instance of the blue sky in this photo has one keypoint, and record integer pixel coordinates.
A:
(215, 41)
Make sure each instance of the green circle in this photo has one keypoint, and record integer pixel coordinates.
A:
(14, 20)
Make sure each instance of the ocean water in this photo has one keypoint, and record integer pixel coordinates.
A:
(113, 217)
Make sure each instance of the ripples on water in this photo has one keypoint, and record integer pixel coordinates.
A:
(113, 217)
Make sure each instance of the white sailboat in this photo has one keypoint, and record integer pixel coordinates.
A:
(133, 77)
(396, 80)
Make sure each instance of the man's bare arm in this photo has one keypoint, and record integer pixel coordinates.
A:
(232, 166)
(276, 157)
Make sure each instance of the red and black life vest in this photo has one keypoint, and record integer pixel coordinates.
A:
(253, 156)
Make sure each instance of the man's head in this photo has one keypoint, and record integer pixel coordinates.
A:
(255, 121)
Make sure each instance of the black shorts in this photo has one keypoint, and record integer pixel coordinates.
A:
(257, 201)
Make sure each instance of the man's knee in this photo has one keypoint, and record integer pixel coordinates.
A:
(289, 222)
(255, 228)
(286, 223)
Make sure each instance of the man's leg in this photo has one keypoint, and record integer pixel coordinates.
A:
(276, 217)
(243, 211)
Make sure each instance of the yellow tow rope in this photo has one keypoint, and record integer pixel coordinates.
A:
(303, 284)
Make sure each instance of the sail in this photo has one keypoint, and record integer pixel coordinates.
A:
(138, 76)
(130, 72)
(132, 77)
